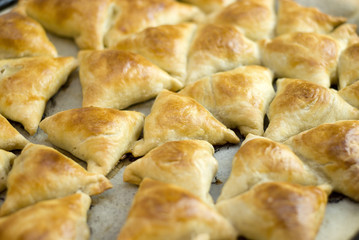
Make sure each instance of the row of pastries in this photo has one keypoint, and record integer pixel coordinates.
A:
(207, 79)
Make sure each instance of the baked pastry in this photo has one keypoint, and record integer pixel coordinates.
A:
(293, 17)
(57, 219)
(166, 46)
(351, 94)
(261, 159)
(277, 211)
(136, 15)
(238, 98)
(28, 83)
(40, 173)
(118, 79)
(177, 117)
(309, 56)
(10, 138)
(99, 136)
(255, 18)
(86, 23)
(188, 164)
(21, 36)
(6, 160)
(332, 149)
(310, 105)
(218, 48)
(160, 210)
(348, 67)
(208, 6)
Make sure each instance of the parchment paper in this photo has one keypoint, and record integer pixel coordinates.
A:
(109, 209)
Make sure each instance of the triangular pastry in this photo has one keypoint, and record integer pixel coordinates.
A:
(218, 48)
(118, 79)
(237, 98)
(58, 219)
(255, 18)
(177, 117)
(351, 94)
(166, 46)
(277, 211)
(162, 211)
(261, 159)
(10, 138)
(26, 84)
(209, 6)
(333, 151)
(293, 17)
(6, 160)
(99, 136)
(310, 56)
(136, 15)
(86, 23)
(188, 164)
(40, 173)
(300, 105)
(21, 36)
(348, 67)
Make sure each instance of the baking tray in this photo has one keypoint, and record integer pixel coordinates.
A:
(109, 210)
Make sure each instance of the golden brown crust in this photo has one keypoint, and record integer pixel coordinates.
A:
(310, 105)
(333, 150)
(6, 160)
(277, 211)
(21, 36)
(177, 117)
(261, 159)
(209, 5)
(160, 210)
(309, 56)
(10, 138)
(293, 17)
(237, 98)
(219, 48)
(118, 79)
(42, 173)
(166, 46)
(151, 13)
(99, 136)
(63, 218)
(255, 18)
(86, 23)
(188, 164)
(351, 94)
(348, 68)
(28, 83)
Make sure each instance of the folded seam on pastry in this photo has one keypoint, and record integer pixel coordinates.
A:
(57, 219)
(311, 105)
(117, 79)
(21, 36)
(99, 136)
(136, 15)
(277, 211)
(40, 173)
(331, 149)
(188, 164)
(238, 98)
(160, 210)
(177, 117)
(260, 159)
(28, 83)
